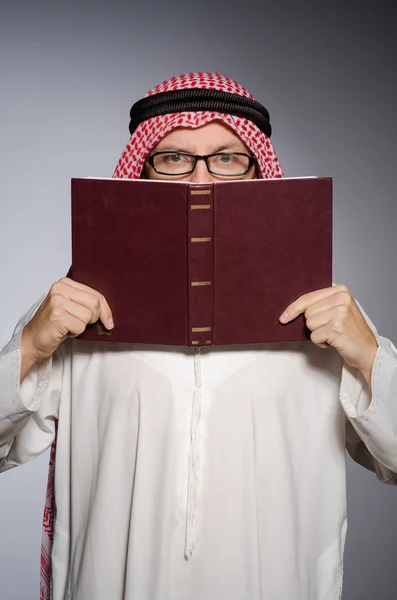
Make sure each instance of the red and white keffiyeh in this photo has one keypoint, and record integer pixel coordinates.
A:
(150, 132)
(144, 138)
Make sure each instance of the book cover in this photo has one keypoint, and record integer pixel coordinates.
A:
(201, 264)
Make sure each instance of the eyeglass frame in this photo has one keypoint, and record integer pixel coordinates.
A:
(251, 162)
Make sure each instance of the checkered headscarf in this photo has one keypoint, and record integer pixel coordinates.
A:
(151, 130)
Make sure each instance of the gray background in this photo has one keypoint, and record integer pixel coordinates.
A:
(69, 74)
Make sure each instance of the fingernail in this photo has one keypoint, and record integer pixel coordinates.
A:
(110, 324)
(284, 317)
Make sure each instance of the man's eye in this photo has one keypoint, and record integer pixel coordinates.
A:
(226, 158)
(176, 158)
(173, 158)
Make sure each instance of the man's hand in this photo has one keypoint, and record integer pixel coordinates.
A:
(335, 320)
(65, 312)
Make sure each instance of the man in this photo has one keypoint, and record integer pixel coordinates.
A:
(212, 473)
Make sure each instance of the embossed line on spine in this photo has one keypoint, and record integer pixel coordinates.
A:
(200, 192)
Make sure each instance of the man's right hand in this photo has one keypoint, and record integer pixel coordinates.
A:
(65, 312)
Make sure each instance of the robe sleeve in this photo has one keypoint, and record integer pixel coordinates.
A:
(28, 411)
(371, 420)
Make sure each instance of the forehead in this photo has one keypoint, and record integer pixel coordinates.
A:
(203, 139)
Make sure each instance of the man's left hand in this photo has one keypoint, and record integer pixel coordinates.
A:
(335, 321)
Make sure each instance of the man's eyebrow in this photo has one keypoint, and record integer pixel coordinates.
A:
(172, 149)
(228, 146)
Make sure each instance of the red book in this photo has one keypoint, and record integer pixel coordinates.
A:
(201, 264)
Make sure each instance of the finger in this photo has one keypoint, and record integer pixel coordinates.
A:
(339, 299)
(321, 336)
(86, 296)
(84, 314)
(319, 319)
(73, 326)
(77, 284)
(68, 294)
(304, 302)
(337, 316)
(65, 325)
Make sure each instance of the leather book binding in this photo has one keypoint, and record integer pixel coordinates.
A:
(201, 264)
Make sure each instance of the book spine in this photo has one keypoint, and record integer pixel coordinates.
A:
(200, 264)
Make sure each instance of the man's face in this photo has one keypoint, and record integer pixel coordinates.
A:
(209, 139)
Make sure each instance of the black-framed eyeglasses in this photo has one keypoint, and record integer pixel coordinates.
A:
(223, 164)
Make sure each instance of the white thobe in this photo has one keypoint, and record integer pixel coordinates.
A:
(265, 454)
